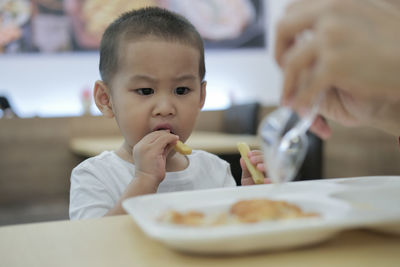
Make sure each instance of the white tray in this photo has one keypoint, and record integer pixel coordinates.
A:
(372, 202)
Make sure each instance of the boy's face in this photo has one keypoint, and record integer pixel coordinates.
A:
(157, 86)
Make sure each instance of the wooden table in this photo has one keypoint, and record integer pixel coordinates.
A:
(118, 241)
(213, 142)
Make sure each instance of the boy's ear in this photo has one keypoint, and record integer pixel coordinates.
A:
(102, 98)
(203, 94)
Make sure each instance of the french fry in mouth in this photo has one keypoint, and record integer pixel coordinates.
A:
(182, 148)
(258, 177)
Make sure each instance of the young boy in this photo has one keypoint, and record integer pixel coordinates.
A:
(152, 69)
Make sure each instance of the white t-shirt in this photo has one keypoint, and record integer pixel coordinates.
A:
(98, 182)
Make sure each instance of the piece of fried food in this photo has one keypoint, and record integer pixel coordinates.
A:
(190, 218)
(255, 210)
(244, 149)
(182, 148)
(241, 212)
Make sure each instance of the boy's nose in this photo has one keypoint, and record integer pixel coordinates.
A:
(164, 107)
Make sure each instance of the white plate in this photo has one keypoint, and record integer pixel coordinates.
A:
(376, 200)
(334, 199)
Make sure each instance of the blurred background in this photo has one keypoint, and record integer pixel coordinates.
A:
(51, 46)
(48, 123)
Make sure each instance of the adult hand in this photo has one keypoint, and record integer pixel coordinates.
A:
(353, 56)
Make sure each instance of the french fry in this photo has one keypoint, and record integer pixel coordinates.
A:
(258, 177)
(182, 148)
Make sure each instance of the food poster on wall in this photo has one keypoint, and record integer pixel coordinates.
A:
(51, 26)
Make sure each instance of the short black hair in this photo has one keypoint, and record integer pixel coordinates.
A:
(142, 23)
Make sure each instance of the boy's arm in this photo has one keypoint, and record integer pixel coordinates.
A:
(90, 194)
(138, 186)
(149, 155)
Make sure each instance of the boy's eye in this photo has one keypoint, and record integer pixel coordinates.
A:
(145, 91)
(182, 90)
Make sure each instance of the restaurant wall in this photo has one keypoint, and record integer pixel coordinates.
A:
(52, 84)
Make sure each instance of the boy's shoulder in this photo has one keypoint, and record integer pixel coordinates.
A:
(105, 168)
(103, 159)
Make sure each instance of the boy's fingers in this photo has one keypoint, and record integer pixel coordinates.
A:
(267, 181)
(245, 171)
(153, 136)
(255, 152)
(163, 141)
(243, 164)
(255, 159)
(261, 167)
(246, 176)
(247, 181)
(168, 149)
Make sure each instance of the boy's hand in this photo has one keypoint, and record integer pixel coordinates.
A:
(150, 155)
(256, 158)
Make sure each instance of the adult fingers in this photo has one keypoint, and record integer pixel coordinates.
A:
(299, 58)
(311, 89)
(321, 128)
(306, 15)
(301, 16)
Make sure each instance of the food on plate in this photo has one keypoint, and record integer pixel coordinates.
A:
(192, 218)
(182, 148)
(241, 212)
(257, 175)
(255, 210)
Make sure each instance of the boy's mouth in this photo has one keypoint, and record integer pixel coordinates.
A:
(164, 127)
